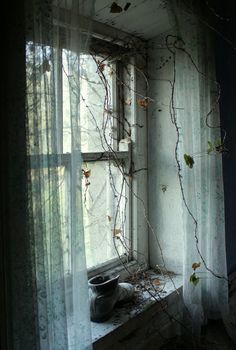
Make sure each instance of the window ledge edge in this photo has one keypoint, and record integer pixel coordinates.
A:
(129, 321)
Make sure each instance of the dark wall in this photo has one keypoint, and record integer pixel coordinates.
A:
(17, 307)
(226, 75)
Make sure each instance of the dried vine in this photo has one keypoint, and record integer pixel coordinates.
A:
(172, 48)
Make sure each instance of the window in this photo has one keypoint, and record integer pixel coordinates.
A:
(105, 192)
(109, 129)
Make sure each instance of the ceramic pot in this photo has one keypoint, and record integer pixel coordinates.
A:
(104, 293)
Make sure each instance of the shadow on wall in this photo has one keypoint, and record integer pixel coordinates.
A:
(226, 76)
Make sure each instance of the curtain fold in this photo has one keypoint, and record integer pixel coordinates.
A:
(54, 41)
(199, 153)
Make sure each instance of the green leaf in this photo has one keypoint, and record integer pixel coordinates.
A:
(194, 279)
(148, 305)
(219, 146)
(188, 160)
(218, 142)
(209, 147)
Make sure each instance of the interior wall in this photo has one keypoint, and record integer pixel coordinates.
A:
(17, 304)
(226, 75)
(164, 194)
(165, 201)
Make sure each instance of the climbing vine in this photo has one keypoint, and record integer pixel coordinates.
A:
(174, 45)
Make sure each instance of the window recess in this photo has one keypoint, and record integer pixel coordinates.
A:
(112, 146)
(106, 162)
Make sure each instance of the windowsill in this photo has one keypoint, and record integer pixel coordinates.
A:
(139, 312)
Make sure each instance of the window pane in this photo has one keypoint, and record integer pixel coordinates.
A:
(40, 102)
(96, 103)
(104, 204)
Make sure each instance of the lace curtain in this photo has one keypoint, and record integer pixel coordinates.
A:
(54, 40)
(199, 153)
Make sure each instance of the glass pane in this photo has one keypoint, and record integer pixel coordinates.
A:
(40, 102)
(96, 103)
(104, 204)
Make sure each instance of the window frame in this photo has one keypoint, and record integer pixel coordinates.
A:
(138, 153)
(124, 155)
(134, 154)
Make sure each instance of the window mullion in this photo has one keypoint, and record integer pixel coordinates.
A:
(120, 103)
(59, 99)
(117, 94)
(101, 156)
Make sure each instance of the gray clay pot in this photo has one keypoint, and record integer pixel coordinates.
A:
(103, 294)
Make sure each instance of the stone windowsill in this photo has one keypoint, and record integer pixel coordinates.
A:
(132, 318)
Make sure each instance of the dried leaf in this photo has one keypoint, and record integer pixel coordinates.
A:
(143, 102)
(86, 173)
(109, 218)
(116, 232)
(115, 8)
(188, 160)
(101, 66)
(194, 279)
(126, 140)
(128, 101)
(196, 265)
(156, 281)
(46, 66)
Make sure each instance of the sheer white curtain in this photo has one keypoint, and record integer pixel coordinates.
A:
(196, 95)
(54, 41)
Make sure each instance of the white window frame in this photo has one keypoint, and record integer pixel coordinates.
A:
(135, 154)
